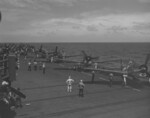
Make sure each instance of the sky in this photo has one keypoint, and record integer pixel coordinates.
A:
(75, 21)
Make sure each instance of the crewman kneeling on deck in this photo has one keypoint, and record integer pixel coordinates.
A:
(18, 100)
(4, 106)
(81, 88)
(69, 84)
(4, 83)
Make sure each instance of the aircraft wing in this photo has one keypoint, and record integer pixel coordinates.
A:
(41, 60)
(66, 61)
(106, 71)
(68, 56)
(106, 61)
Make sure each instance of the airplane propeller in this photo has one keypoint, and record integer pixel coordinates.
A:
(88, 58)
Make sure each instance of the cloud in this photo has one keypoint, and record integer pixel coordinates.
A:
(125, 23)
(92, 28)
(44, 18)
(141, 26)
(144, 1)
(61, 23)
(64, 2)
(117, 29)
(16, 3)
(76, 27)
(37, 3)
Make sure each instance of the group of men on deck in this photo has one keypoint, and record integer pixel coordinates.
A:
(81, 86)
(42, 66)
(111, 76)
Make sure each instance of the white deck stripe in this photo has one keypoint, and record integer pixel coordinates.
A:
(103, 78)
(61, 65)
(134, 88)
(86, 73)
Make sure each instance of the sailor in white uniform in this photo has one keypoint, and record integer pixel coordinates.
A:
(69, 84)
(125, 79)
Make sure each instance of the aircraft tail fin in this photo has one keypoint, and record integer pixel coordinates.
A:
(56, 49)
(147, 59)
(84, 54)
